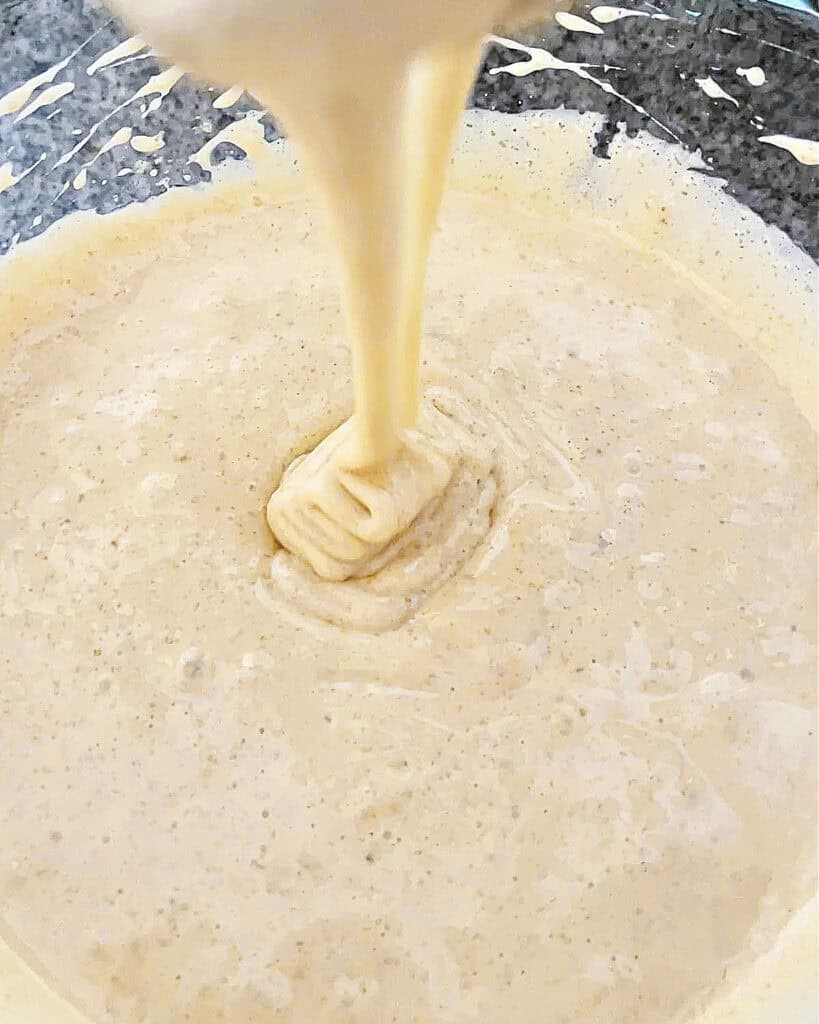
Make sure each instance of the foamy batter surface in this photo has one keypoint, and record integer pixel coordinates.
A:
(557, 757)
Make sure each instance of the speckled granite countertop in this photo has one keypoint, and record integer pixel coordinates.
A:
(676, 69)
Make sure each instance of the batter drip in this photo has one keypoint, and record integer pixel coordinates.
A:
(375, 128)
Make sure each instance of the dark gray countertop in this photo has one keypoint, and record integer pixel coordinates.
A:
(643, 76)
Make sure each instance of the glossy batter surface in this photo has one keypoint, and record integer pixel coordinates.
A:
(558, 754)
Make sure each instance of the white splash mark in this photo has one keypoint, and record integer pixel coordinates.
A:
(50, 95)
(12, 101)
(543, 60)
(773, 46)
(147, 55)
(159, 84)
(806, 151)
(80, 179)
(228, 97)
(8, 179)
(573, 23)
(119, 138)
(753, 76)
(787, 49)
(605, 15)
(17, 98)
(148, 143)
(714, 90)
(247, 134)
(125, 49)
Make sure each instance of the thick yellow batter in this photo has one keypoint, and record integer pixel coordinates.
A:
(557, 758)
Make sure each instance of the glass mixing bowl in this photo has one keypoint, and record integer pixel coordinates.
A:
(90, 118)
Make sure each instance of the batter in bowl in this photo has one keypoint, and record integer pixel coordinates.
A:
(253, 795)
(558, 728)
(373, 92)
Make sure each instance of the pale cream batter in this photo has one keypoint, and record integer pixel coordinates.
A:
(563, 763)
(372, 91)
